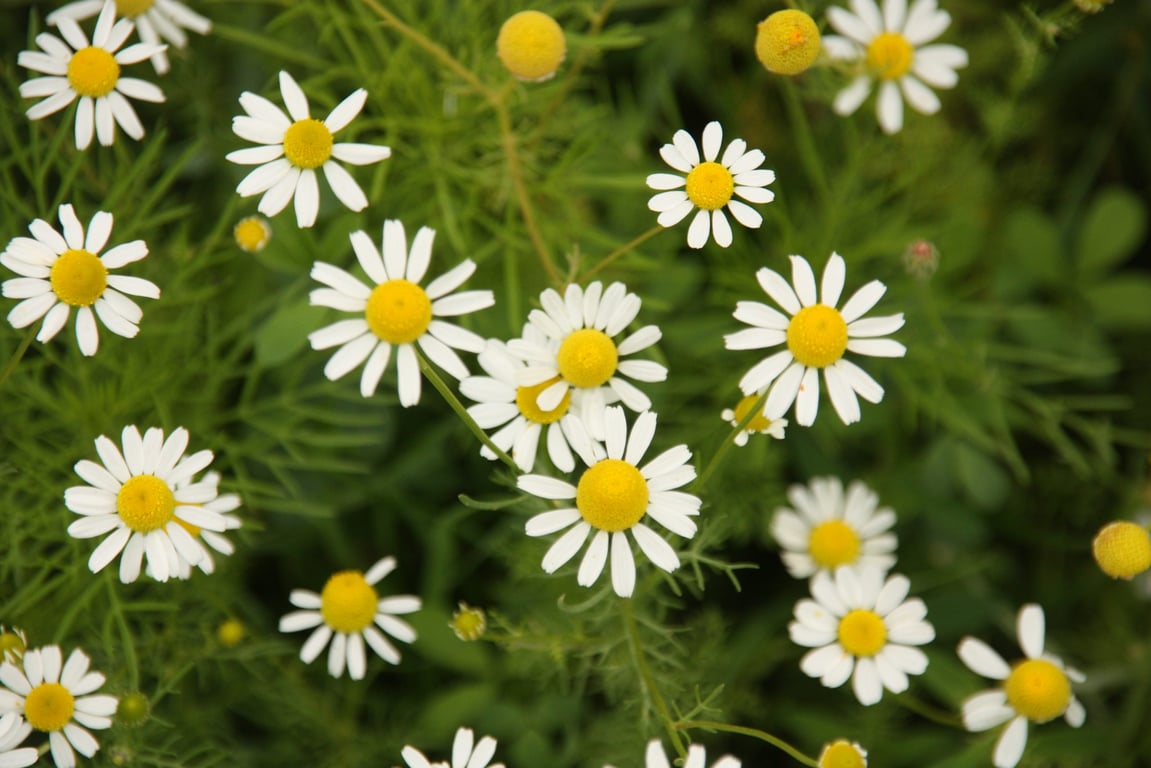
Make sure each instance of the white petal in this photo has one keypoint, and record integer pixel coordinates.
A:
(982, 660)
(889, 108)
(699, 230)
(1009, 748)
(594, 559)
(622, 565)
(850, 98)
(1031, 628)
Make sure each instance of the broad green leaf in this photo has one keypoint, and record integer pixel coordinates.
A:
(1122, 302)
(285, 333)
(1115, 225)
(1031, 245)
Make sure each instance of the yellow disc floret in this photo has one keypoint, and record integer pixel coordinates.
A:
(348, 602)
(469, 623)
(132, 8)
(758, 422)
(231, 633)
(145, 503)
(889, 56)
(93, 72)
(526, 401)
(252, 233)
(787, 42)
(49, 707)
(833, 543)
(710, 186)
(612, 495)
(399, 311)
(862, 633)
(587, 358)
(842, 754)
(78, 277)
(531, 46)
(1122, 549)
(307, 143)
(12, 645)
(1038, 690)
(817, 336)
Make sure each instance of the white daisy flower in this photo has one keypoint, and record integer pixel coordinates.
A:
(760, 424)
(59, 272)
(842, 753)
(91, 72)
(154, 19)
(293, 146)
(696, 757)
(827, 529)
(53, 697)
(612, 497)
(139, 497)
(396, 312)
(817, 335)
(860, 626)
(709, 186)
(13, 731)
(347, 612)
(209, 541)
(580, 352)
(888, 47)
(466, 753)
(1038, 688)
(13, 641)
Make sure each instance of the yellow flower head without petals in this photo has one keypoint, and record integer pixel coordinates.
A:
(1122, 549)
(787, 42)
(531, 46)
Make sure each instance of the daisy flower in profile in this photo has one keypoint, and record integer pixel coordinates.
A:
(395, 312)
(466, 753)
(54, 697)
(139, 498)
(760, 423)
(827, 529)
(842, 753)
(709, 186)
(58, 272)
(576, 350)
(347, 612)
(154, 19)
(13, 641)
(293, 146)
(209, 541)
(13, 731)
(888, 48)
(75, 68)
(1038, 688)
(860, 625)
(817, 335)
(612, 497)
(696, 757)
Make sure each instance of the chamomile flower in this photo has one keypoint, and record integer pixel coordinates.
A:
(209, 541)
(827, 528)
(396, 313)
(817, 336)
(1038, 688)
(91, 72)
(13, 731)
(13, 642)
(531, 46)
(466, 753)
(579, 352)
(888, 47)
(347, 612)
(860, 625)
(54, 697)
(842, 753)
(252, 233)
(139, 498)
(760, 423)
(655, 757)
(612, 498)
(154, 19)
(293, 146)
(709, 185)
(59, 272)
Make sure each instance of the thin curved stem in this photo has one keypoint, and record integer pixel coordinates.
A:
(648, 680)
(623, 249)
(515, 170)
(725, 446)
(934, 714)
(17, 356)
(774, 741)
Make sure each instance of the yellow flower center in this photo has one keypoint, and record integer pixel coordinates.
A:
(11, 646)
(252, 234)
(49, 707)
(78, 278)
(230, 633)
(1122, 549)
(307, 143)
(526, 401)
(132, 8)
(710, 186)
(787, 42)
(1038, 690)
(612, 495)
(889, 56)
(93, 72)
(587, 358)
(817, 336)
(531, 45)
(758, 422)
(862, 633)
(145, 503)
(468, 623)
(399, 311)
(348, 602)
(841, 754)
(833, 543)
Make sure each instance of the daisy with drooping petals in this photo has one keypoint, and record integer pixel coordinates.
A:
(294, 145)
(466, 753)
(888, 47)
(710, 186)
(860, 625)
(59, 272)
(842, 753)
(154, 19)
(828, 529)
(817, 336)
(139, 497)
(54, 698)
(578, 352)
(91, 72)
(13, 731)
(655, 757)
(760, 424)
(396, 311)
(612, 497)
(347, 612)
(1037, 688)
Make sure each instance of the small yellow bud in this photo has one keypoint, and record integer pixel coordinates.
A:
(230, 633)
(843, 754)
(1122, 549)
(252, 233)
(531, 46)
(787, 42)
(469, 623)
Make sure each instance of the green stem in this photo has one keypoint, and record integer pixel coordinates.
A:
(17, 356)
(648, 680)
(725, 446)
(774, 741)
(626, 248)
(127, 647)
(923, 709)
(808, 152)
